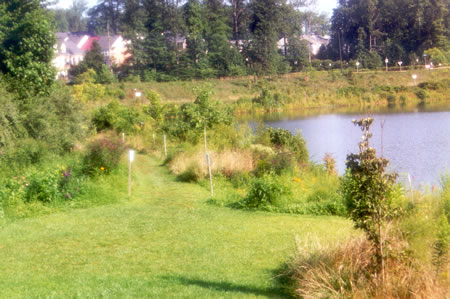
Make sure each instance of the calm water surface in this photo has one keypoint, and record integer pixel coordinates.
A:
(416, 142)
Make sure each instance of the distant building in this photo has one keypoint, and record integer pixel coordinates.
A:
(315, 42)
(72, 47)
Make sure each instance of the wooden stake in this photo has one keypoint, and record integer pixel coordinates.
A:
(165, 145)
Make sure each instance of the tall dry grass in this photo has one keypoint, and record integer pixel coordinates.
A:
(346, 271)
(228, 162)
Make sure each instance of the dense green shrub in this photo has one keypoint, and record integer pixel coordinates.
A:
(265, 191)
(284, 140)
(278, 163)
(117, 117)
(368, 192)
(103, 155)
(268, 100)
(192, 118)
(57, 120)
(10, 121)
(326, 201)
(435, 85)
(25, 152)
(44, 185)
(421, 95)
(155, 109)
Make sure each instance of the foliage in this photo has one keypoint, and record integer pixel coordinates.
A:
(94, 59)
(422, 94)
(117, 117)
(11, 125)
(192, 118)
(155, 109)
(26, 47)
(284, 140)
(265, 191)
(23, 153)
(103, 155)
(367, 191)
(268, 100)
(86, 90)
(46, 184)
(436, 56)
(440, 246)
(57, 120)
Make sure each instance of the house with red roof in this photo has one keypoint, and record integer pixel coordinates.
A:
(72, 47)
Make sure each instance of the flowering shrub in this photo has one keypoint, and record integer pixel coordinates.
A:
(103, 155)
(39, 185)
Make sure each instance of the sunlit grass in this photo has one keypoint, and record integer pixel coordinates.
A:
(165, 241)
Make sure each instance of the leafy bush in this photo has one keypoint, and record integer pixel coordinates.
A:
(326, 201)
(283, 139)
(10, 122)
(367, 189)
(192, 118)
(268, 100)
(86, 90)
(44, 185)
(117, 117)
(25, 152)
(103, 155)
(265, 191)
(155, 109)
(421, 95)
(436, 56)
(435, 85)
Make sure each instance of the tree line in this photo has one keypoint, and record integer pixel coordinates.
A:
(400, 30)
(221, 38)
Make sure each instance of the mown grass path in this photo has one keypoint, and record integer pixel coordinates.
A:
(164, 242)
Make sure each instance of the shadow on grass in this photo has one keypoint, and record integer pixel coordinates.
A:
(229, 287)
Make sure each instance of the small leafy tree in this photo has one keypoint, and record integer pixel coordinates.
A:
(367, 189)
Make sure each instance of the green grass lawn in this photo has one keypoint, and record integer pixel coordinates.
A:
(166, 241)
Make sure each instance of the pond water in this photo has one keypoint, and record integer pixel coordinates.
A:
(415, 140)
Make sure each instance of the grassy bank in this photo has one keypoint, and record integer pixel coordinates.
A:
(306, 89)
(164, 242)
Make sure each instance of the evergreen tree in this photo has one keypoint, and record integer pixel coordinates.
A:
(107, 13)
(93, 59)
(217, 33)
(195, 23)
(265, 22)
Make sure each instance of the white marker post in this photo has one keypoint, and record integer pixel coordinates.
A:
(411, 189)
(123, 137)
(414, 76)
(165, 145)
(130, 160)
(208, 162)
